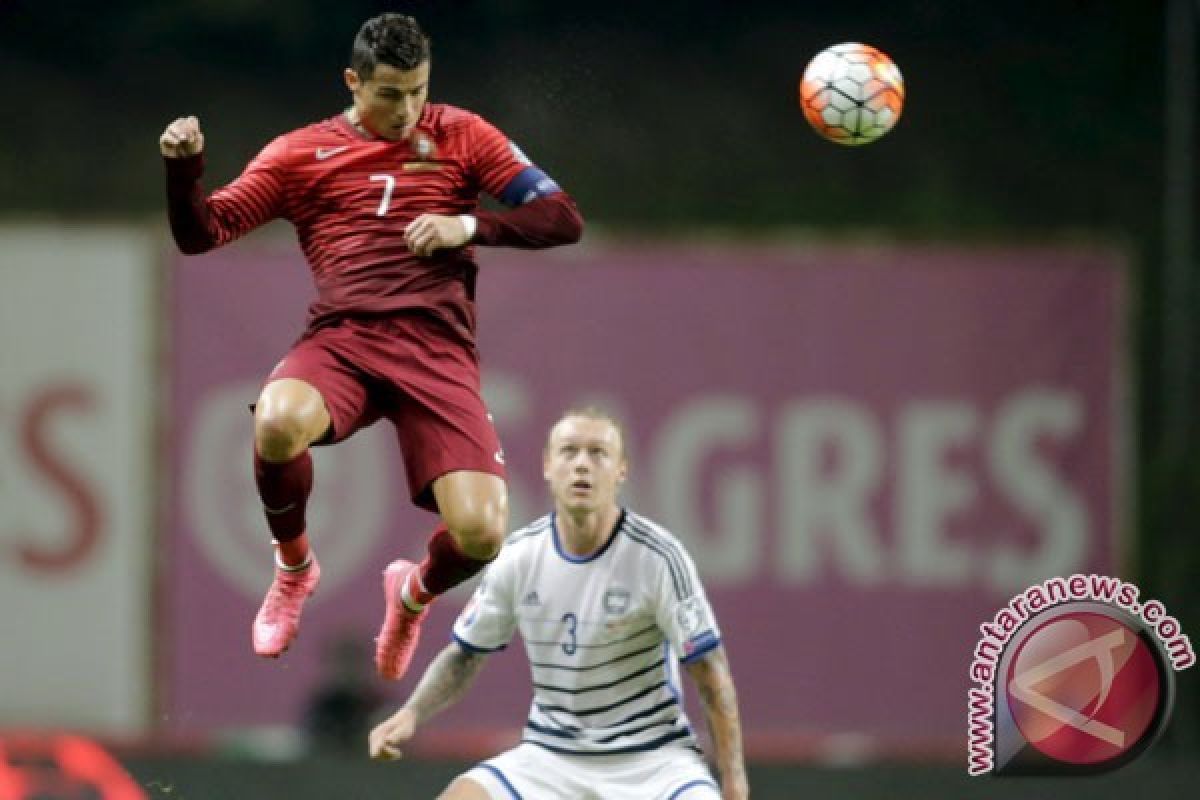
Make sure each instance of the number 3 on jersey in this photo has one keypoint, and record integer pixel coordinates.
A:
(569, 647)
(389, 183)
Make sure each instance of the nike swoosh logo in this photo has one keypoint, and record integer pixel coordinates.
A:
(328, 152)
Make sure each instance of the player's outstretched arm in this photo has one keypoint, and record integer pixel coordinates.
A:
(715, 684)
(198, 222)
(445, 681)
(182, 147)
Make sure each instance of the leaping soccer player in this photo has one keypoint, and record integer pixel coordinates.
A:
(384, 199)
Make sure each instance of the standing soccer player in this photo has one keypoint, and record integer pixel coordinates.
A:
(384, 198)
(607, 603)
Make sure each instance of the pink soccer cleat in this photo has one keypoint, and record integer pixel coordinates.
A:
(397, 640)
(278, 620)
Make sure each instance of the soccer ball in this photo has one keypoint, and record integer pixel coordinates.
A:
(852, 93)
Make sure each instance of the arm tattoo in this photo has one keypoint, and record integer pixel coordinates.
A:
(445, 681)
(715, 686)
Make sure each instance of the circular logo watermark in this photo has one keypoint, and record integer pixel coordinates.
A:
(1074, 676)
(1087, 687)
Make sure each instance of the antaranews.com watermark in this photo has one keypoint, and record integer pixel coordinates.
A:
(1084, 687)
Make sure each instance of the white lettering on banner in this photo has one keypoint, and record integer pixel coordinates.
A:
(829, 503)
(225, 512)
(929, 491)
(729, 550)
(824, 489)
(1036, 489)
(75, 509)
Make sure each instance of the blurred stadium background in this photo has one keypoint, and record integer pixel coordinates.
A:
(878, 390)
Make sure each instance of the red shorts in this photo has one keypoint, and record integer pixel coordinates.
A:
(412, 370)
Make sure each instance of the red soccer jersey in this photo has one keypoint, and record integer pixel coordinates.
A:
(350, 197)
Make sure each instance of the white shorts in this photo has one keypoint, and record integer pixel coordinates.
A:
(529, 772)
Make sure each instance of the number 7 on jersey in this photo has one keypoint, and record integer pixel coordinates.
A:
(389, 183)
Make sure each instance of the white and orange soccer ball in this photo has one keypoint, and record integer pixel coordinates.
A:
(852, 93)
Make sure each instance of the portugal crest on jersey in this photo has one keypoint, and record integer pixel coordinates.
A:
(423, 146)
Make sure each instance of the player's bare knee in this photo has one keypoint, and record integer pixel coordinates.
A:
(475, 510)
(279, 438)
(479, 535)
(289, 416)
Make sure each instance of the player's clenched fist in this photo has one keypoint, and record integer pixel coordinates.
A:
(430, 232)
(181, 138)
(387, 737)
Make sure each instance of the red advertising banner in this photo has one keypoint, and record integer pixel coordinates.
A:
(866, 451)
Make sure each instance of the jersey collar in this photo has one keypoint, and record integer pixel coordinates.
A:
(343, 122)
(590, 556)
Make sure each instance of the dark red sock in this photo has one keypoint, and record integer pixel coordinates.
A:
(284, 488)
(446, 566)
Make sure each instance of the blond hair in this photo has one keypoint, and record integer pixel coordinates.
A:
(593, 413)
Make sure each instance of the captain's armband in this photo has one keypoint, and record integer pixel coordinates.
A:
(529, 183)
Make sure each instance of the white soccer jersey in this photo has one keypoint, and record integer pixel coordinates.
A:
(604, 634)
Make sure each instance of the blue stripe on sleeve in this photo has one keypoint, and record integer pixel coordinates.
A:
(704, 643)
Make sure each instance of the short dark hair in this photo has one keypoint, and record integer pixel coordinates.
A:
(393, 39)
